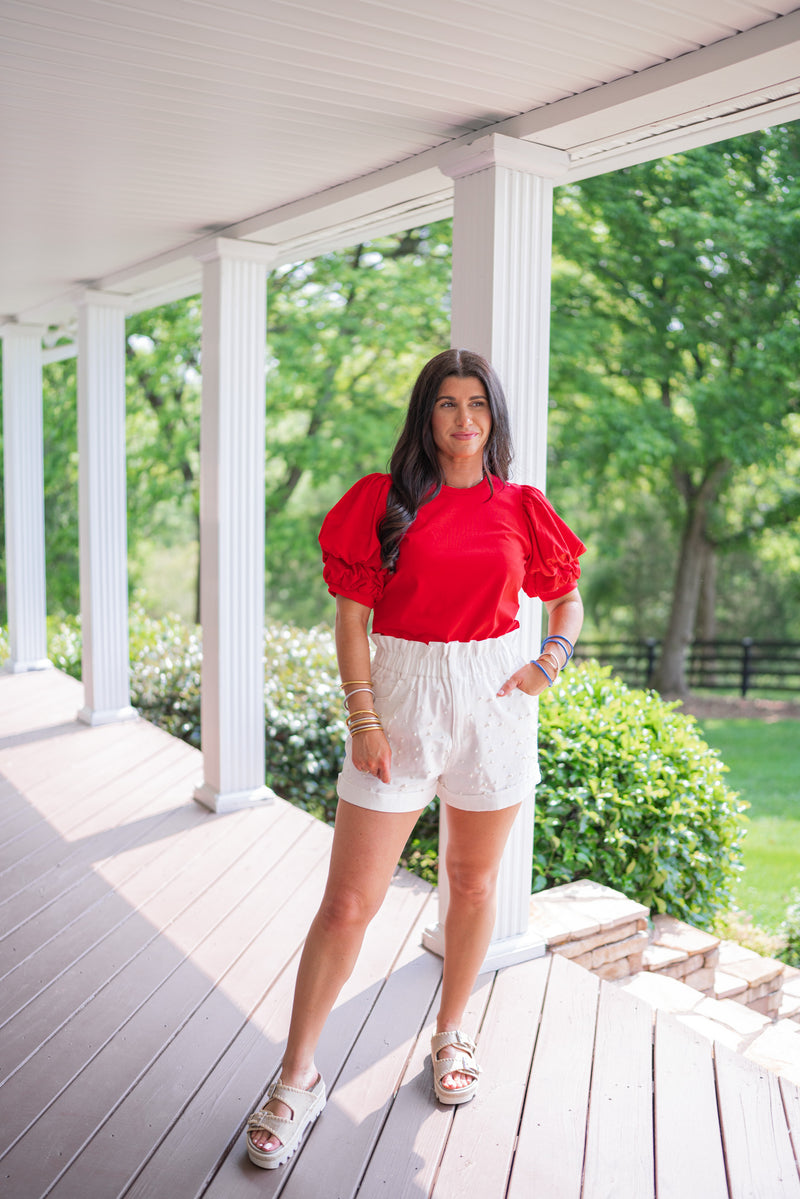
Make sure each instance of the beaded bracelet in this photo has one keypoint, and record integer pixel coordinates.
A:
(363, 719)
(364, 728)
(564, 642)
(544, 672)
(549, 656)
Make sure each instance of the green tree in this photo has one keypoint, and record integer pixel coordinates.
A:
(348, 333)
(685, 311)
(163, 442)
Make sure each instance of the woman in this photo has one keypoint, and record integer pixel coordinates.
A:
(437, 553)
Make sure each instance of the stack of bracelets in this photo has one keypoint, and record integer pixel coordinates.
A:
(363, 719)
(566, 647)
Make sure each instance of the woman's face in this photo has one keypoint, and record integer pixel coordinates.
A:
(461, 420)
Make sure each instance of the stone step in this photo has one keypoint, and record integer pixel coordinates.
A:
(773, 1044)
(790, 1001)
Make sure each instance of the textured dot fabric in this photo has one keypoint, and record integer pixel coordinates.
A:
(462, 563)
(449, 733)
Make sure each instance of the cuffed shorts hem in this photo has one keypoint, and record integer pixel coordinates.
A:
(394, 800)
(488, 803)
(391, 800)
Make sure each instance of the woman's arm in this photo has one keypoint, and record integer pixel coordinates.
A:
(564, 618)
(370, 749)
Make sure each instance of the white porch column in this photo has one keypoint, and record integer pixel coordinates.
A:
(232, 450)
(102, 522)
(502, 238)
(24, 497)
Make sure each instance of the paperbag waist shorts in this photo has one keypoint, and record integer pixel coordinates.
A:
(449, 733)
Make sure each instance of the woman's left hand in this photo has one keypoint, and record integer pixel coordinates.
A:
(528, 679)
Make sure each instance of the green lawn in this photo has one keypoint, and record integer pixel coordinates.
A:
(764, 763)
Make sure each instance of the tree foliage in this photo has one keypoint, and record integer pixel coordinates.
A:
(674, 426)
(680, 303)
(348, 333)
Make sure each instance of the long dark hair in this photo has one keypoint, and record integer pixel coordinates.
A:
(416, 473)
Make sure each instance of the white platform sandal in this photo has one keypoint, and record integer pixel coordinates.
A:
(305, 1107)
(461, 1061)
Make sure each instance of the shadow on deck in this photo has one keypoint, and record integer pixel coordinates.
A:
(147, 958)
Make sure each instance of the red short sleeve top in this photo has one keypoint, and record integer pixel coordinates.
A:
(462, 562)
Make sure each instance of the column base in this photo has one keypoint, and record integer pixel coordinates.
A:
(96, 716)
(233, 801)
(20, 667)
(508, 951)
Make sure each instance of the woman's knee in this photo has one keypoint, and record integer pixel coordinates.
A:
(345, 909)
(471, 884)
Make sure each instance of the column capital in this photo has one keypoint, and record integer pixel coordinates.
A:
(234, 250)
(497, 150)
(18, 329)
(103, 299)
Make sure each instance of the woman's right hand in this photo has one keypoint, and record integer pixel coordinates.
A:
(372, 754)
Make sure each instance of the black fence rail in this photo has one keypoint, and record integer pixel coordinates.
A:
(740, 666)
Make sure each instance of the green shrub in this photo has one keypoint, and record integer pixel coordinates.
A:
(632, 796)
(64, 644)
(736, 925)
(303, 712)
(790, 931)
(304, 715)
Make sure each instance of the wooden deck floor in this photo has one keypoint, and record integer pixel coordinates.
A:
(147, 955)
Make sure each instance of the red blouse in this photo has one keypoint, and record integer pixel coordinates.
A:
(462, 562)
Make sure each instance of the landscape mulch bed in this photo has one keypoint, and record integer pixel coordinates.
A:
(732, 707)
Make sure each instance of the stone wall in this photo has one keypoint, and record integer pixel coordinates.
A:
(604, 931)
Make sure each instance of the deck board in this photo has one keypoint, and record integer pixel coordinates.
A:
(619, 1136)
(758, 1150)
(148, 951)
(550, 1157)
(480, 1149)
(31, 885)
(790, 1093)
(689, 1158)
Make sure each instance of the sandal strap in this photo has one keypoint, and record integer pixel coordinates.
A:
(264, 1121)
(298, 1100)
(453, 1037)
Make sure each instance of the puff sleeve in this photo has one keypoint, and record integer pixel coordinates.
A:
(351, 552)
(552, 568)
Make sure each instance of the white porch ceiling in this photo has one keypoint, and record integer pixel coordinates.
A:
(131, 131)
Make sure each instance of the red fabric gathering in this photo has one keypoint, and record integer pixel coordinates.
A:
(462, 563)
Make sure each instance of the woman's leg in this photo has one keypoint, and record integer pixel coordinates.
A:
(475, 844)
(366, 847)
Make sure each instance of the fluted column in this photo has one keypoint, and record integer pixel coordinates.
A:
(102, 523)
(24, 497)
(232, 450)
(502, 240)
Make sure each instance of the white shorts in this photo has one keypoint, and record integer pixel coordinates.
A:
(449, 733)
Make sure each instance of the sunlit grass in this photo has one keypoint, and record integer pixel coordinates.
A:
(764, 762)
